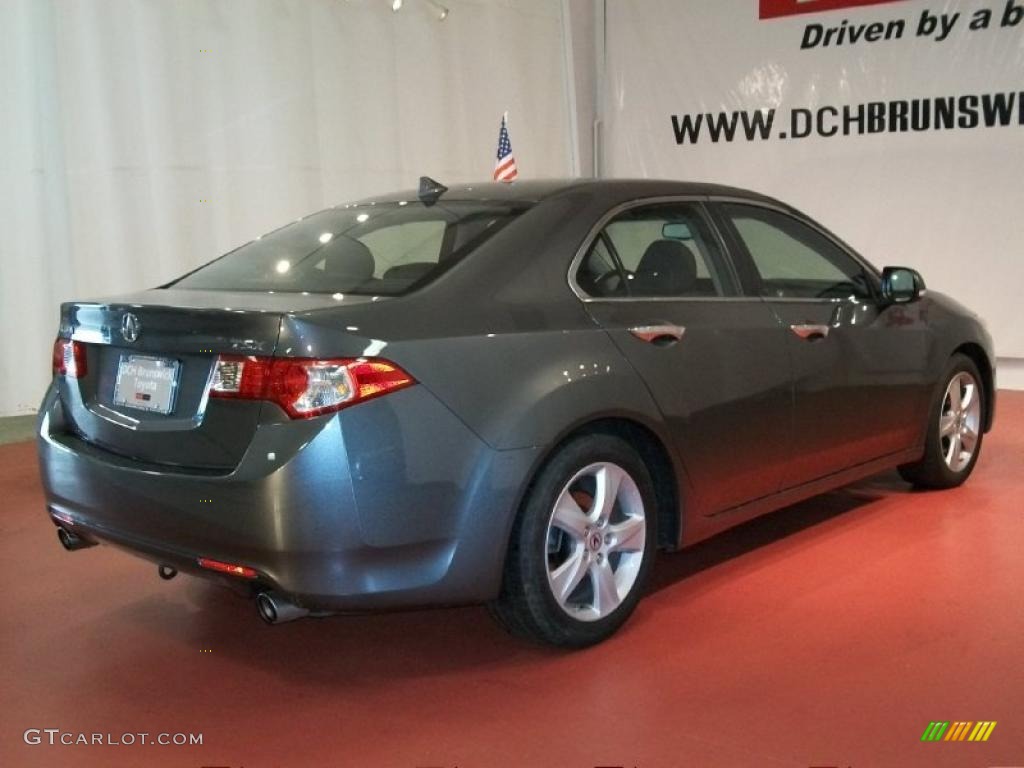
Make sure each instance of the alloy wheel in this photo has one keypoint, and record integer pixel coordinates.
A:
(595, 541)
(960, 421)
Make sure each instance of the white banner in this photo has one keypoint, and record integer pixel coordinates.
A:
(899, 124)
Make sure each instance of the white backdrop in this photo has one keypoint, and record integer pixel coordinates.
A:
(139, 138)
(950, 202)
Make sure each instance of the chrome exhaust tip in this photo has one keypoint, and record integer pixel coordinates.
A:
(275, 608)
(72, 541)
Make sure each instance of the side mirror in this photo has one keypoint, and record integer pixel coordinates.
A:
(901, 285)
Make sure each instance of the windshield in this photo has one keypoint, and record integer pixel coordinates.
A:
(382, 249)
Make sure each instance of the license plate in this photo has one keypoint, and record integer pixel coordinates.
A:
(146, 383)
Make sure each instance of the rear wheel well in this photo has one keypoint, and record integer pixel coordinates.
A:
(980, 359)
(656, 457)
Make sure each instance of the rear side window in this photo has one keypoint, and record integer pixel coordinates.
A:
(655, 251)
(599, 274)
(382, 249)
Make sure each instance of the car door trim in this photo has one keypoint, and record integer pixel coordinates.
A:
(810, 331)
(651, 333)
(711, 218)
(792, 213)
(595, 231)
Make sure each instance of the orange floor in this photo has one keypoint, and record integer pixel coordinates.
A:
(828, 634)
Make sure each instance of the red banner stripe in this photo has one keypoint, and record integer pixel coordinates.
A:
(771, 9)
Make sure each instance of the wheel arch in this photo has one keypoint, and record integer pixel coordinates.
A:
(976, 353)
(666, 471)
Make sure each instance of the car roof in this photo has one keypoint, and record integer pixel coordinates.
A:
(615, 190)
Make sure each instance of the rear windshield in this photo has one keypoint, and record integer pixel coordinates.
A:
(381, 249)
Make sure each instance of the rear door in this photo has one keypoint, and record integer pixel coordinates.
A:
(861, 388)
(655, 278)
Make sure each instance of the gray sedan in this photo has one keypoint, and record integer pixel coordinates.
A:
(511, 394)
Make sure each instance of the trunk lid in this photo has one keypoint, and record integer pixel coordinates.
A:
(166, 342)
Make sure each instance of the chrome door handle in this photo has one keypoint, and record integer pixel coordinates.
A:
(809, 331)
(658, 334)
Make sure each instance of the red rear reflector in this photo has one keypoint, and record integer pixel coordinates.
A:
(234, 570)
(69, 358)
(306, 387)
(62, 518)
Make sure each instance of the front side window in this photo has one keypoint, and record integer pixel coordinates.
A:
(793, 260)
(383, 249)
(654, 251)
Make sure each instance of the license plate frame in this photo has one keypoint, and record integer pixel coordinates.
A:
(147, 383)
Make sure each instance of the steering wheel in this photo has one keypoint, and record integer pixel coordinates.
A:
(602, 284)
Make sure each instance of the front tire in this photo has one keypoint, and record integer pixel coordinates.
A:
(582, 545)
(955, 429)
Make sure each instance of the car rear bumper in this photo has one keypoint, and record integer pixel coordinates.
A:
(391, 503)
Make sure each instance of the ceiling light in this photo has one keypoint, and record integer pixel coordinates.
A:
(440, 10)
(396, 5)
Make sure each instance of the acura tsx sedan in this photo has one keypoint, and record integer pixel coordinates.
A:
(502, 393)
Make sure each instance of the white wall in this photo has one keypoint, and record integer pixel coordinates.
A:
(140, 138)
(583, 29)
(117, 117)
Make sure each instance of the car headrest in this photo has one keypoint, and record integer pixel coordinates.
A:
(667, 268)
(348, 260)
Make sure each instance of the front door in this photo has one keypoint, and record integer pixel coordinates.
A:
(859, 367)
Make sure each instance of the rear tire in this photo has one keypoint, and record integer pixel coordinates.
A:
(582, 545)
(955, 429)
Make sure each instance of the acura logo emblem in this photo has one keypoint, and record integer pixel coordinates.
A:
(130, 327)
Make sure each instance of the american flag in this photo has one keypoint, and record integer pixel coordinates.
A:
(505, 166)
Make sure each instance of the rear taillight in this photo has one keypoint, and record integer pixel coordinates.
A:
(69, 358)
(306, 387)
